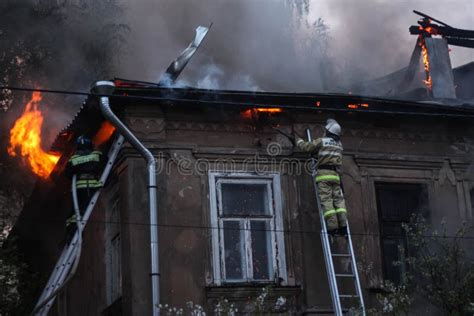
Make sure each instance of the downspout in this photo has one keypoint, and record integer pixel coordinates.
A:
(103, 89)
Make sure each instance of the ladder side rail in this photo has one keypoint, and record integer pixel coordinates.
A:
(57, 267)
(64, 253)
(63, 267)
(72, 257)
(355, 271)
(325, 240)
(47, 300)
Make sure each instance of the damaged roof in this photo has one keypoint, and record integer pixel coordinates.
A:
(390, 87)
(88, 118)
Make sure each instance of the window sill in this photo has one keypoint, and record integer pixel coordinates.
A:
(239, 291)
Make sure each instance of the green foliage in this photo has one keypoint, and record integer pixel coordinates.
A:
(263, 304)
(13, 273)
(439, 271)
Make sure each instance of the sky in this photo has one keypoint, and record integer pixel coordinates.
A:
(352, 23)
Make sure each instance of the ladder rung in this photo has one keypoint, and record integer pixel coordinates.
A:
(344, 275)
(341, 255)
(348, 295)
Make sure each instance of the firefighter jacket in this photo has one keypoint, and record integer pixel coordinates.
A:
(329, 156)
(87, 165)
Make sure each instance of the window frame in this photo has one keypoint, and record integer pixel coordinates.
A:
(113, 248)
(272, 180)
(383, 224)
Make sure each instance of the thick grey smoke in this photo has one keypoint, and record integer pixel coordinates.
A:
(56, 45)
(274, 44)
(251, 43)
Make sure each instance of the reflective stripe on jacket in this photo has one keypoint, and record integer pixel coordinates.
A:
(329, 150)
(94, 156)
(84, 184)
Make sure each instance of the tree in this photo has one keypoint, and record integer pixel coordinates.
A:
(13, 270)
(45, 44)
(439, 270)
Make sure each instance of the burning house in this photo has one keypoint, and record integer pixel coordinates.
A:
(236, 210)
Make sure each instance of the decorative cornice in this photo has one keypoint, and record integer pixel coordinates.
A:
(214, 127)
(346, 132)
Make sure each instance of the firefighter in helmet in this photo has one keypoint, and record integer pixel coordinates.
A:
(329, 160)
(86, 164)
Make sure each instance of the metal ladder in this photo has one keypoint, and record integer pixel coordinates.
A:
(69, 258)
(330, 257)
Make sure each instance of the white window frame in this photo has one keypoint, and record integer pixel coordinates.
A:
(276, 226)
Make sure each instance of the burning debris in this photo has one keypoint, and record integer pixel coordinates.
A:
(426, 63)
(25, 139)
(256, 112)
(357, 105)
(433, 39)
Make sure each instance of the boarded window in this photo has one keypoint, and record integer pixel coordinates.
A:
(396, 203)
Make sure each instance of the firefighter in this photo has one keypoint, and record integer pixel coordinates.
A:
(86, 164)
(329, 160)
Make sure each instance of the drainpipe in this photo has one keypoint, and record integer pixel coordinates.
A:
(103, 89)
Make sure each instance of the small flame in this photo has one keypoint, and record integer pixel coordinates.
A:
(256, 111)
(429, 29)
(318, 103)
(25, 138)
(105, 132)
(426, 64)
(357, 105)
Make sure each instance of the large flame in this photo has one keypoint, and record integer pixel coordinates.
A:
(426, 64)
(25, 139)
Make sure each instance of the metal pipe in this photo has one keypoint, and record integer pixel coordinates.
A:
(106, 88)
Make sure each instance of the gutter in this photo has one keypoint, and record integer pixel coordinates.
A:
(103, 89)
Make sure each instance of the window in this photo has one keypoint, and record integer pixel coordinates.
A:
(396, 203)
(113, 250)
(471, 197)
(248, 244)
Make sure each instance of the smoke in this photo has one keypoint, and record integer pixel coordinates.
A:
(372, 37)
(250, 45)
(64, 45)
(57, 45)
(278, 45)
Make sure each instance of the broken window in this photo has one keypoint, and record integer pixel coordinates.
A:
(396, 203)
(113, 249)
(248, 243)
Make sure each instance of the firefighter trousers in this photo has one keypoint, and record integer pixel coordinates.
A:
(332, 202)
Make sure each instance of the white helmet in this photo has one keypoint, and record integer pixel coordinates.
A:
(333, 127)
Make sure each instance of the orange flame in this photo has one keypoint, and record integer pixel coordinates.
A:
(357, 105)
(106, 130)
(255, 111)
(426, 64)
(429, 29)
(25, 137)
